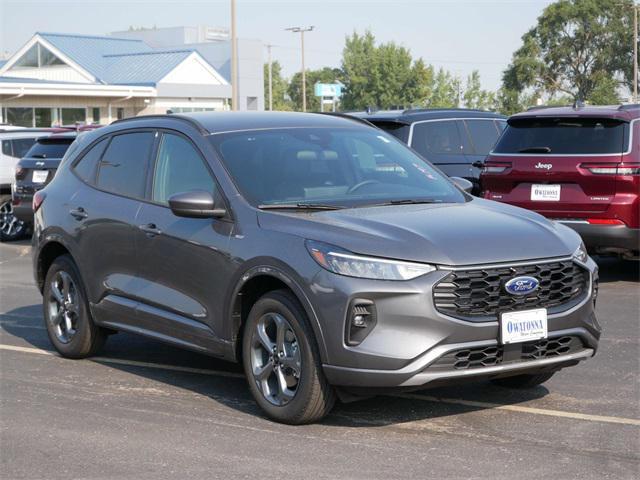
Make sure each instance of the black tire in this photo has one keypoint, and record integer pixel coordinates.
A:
(523, 381)
(87, 338)
(314, 397)
(10, 227)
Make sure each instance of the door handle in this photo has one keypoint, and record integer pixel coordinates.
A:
(150, 229)
(78, 213)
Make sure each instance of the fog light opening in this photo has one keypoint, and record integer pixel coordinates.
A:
(361, 318)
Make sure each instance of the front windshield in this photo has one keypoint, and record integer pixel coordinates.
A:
(342, 167)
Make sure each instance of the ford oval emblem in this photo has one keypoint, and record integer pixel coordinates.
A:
(522, 285)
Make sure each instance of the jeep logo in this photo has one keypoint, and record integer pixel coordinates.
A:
(543, 166)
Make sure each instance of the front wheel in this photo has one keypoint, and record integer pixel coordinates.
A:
(282, 363)
(523, 381)
(10, 227)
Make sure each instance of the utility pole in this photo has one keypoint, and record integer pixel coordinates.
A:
(635, 53)
(270, 79)
(301, 31)
(234, 58)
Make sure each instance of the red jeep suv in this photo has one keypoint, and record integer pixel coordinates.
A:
(577, 165)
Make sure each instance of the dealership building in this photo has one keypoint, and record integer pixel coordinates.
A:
(63, 79)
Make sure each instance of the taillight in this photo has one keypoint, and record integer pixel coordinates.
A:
(605, 221)
(496, 167)
(20, 173)
(38, 198)
(612, 169)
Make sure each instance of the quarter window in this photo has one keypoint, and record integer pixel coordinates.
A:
(483, 135)
(123, 167)
(86, 167)
(179, 168)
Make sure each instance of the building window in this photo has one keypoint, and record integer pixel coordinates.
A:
(95, 115)
(20, 117)
(120, 113)
(38, 56)
(43, 117)
(71, 116)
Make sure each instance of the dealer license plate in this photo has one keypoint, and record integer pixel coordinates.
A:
(40, 176)
(545, 193)
(523, 326)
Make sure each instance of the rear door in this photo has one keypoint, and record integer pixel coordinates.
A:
(442, 143)
(558, 166)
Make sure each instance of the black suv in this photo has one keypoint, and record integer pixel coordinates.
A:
(456, 140)
(36, 170)
(323, 253)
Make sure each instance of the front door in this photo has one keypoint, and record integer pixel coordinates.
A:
(184, 264)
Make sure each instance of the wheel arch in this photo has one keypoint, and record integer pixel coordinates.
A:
(254, 283)
(47, 254)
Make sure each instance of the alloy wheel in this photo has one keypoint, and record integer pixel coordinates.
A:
(10, 226)
(275, 359)
(63, 306)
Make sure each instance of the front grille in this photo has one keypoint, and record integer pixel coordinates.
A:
(479, 295)
(488, 356)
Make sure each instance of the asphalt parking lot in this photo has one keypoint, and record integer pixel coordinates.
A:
(144, 410)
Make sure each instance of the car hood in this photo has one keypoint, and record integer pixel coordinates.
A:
(476, 232)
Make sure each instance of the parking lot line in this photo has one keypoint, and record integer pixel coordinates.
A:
(409, 396)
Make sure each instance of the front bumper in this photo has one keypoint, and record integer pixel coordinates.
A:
(599, 237)
(411, 337)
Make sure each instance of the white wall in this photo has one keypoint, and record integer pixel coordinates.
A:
(58, 73)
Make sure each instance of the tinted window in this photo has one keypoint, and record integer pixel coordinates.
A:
(483, 135)
(86, 167)
(345, 167)
(398, 130)
(21, 146)
(437, 138)
(123, 166)
(564, 136)
(49, 149)
(179, 168)
(6, 148)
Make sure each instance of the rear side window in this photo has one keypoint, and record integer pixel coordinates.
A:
(179, 169)
(86, 167)
(484, 134)
(49, 149)
(21, 146)
(123, 167)
(582, 136)
(437, 138)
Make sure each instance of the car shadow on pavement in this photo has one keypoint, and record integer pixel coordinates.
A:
(229, 389)
(614, 269)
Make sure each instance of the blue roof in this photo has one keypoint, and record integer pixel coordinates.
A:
(2, 62)
(117, 61)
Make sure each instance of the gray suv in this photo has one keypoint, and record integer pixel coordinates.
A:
(322, 253)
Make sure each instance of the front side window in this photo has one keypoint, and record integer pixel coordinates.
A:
(567, 136)
(179, 168)
(337, 166)
(437, 138)
(123, 167)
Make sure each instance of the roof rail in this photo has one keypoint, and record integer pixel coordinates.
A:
(348, 117)
(193, 122)
(544, 107)
(420, 110)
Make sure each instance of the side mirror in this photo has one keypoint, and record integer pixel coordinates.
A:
(195, 204)
(463, 184)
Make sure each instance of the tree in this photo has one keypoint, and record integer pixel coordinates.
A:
(445, 92)
(324, 75)
(279, 87)
(475, 97)
(382, 76)
(579, 48)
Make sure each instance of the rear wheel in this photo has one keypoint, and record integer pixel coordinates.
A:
(282, 363)
(10, 227)
(523, 381)
(66, 312)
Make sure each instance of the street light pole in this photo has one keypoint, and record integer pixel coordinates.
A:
(301, 30)
(234, 58)
(270, 79)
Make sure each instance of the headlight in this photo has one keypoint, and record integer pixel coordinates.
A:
(581, 253)
(343, 262)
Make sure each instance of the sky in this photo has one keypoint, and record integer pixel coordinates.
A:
(459, 35)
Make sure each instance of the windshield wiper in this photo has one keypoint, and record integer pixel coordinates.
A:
(406, 201)
(535, 150)
(299, 206)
